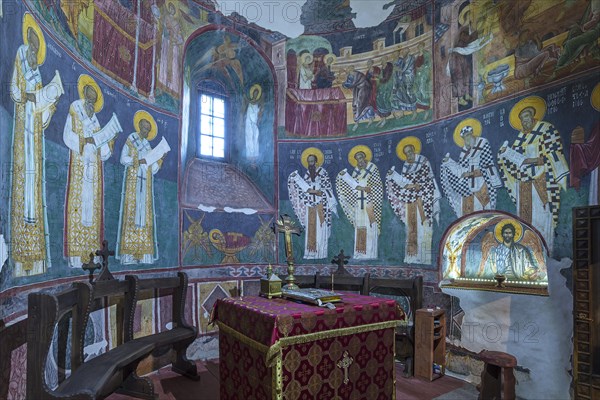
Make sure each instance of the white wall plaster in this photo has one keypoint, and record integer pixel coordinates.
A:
(284, 15)
(537, 330)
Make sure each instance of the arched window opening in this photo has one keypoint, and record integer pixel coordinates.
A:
(213, 107)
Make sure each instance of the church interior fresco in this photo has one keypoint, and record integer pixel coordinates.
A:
(117, 117)
(475, 248)
(413, 62)
(494, 118)
(442, 145)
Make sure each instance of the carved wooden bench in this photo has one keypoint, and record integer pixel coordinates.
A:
(114, 370)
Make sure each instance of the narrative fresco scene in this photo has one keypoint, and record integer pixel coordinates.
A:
(163, 162)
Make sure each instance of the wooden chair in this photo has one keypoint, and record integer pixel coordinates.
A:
(115, 369)
(497, 378)
(412, 289)
(344, 282)
(306, 281)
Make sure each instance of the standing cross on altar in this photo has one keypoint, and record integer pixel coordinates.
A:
(286, 226)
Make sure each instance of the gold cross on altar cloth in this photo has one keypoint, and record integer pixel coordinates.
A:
(344, 363)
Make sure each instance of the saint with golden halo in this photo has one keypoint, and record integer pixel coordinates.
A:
(324, 77)
(471, 183)
(361, 196)
(305, 71)
(512, 251)
(34, 106)
(585, 157)
(90, 145)
(533, 167)
(314, 202)
(254, 110)
(137, 239)
(415, 198)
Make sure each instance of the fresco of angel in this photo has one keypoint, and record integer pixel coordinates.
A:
(223, 58)
(512, 251)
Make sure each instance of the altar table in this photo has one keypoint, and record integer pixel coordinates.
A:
(315, 112)
(281, 349)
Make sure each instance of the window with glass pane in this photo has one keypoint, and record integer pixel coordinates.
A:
(212, 126)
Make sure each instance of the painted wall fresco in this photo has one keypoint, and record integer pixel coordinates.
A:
(484, 245)
(343, 81)
(472, 51)
(220, 238)
(81, 163)
(490, 50)
(236, 68)
(234, 224)
(125, 43)
(395, 194)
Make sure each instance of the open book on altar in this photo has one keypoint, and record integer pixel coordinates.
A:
(311, 295)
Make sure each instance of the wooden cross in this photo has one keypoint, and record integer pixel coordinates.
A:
(286, 226)
(344, 363)
(91, 266)
(105, 274)
(340, 260)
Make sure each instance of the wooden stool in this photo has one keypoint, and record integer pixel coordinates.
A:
(497, 376)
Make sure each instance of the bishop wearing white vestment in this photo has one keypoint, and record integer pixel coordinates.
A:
(89, 145)
(136, 241)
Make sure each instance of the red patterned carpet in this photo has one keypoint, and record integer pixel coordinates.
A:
(171, 386)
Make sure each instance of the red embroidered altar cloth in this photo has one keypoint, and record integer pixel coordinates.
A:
(280, 349)
(315, 112)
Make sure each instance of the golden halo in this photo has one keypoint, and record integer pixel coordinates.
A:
(359, 148)
(86, 80)
(216, 236)
(329, 57)
(408, 141)
(500, 225)
(139, 116)
(30, 22)
(174, 6)
(315, 152)
(535, 102)
(463, 15)
(254, 87)
(303, 58)
(473, 123)
(595, 97)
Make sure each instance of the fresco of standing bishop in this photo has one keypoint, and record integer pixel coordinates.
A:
(313, 201)
(34, 106)
(136, 242)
